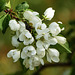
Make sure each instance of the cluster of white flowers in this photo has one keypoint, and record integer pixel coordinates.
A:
(36, 40)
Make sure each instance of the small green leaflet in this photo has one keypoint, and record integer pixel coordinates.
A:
(8, 4)
(61, 25)
(4, 21)
(23, 6)
(62, 47)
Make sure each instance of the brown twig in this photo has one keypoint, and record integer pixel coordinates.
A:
(52, 65)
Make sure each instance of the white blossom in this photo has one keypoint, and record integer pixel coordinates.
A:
(49, 13)
(26, 37)
(15, 54)
(40, 26)
(60, 39)
(37, 60)
(54, 28)
(28, 51)
(52, 55)
(32, 62)
(35, 38)
(43, 33)
(14, 26)
(26, 63)
(42, 44)
(31, 16)
(28, 15)
(35, 20)
(15, 41)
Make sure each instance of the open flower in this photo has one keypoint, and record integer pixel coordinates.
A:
(54, 28)
(32, 17)
(52, 55)
(40, 26)
(28, 51)
(26, 37)
(43, 33)
(42, 44)
(49, 13)
(32, 62)
(15, 54)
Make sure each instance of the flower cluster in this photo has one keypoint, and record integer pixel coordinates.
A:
(36, 38)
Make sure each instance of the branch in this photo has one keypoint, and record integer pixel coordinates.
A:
(52, 65)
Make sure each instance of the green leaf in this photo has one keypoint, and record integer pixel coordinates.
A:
(62, 47)
(23, 6)
(61, 25)
(1, 21)
(2, 4)
(8, 4)
(4, 21)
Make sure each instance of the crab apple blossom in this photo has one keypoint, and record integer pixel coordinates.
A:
(36, 38)
(15, 54)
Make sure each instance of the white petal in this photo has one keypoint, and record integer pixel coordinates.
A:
(42, 62)
(39, 44)
(14, 41)
(35, 20)
(53, 41)
(10, 53)
(31, 40)
(41, 52)
(60, 22)
(31, 67)
(46, 36)
(15, 54)
(28, 34)
(31, 48)
(49, 13)
(48, 57)
(55, 59)
(46, 44)
(43, 26)
(28, 15)
(54, 28)
(54, 54)
(23, 55)
(14, 25)
(33, 52)
(22, 26)
(21, 37)
(35, 13)
(60, 39)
